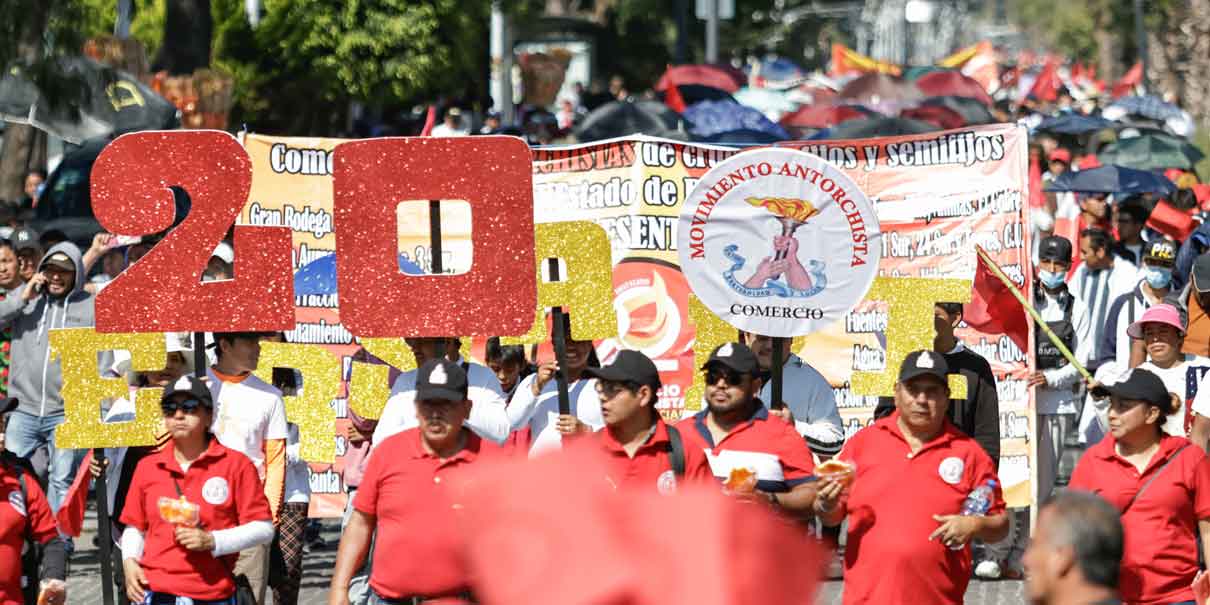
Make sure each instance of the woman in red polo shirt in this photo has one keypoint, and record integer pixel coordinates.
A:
(1160, 482)
(191, 508)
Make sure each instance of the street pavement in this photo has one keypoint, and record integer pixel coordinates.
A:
(84, 585)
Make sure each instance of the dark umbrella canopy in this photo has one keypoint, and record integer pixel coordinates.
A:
(695, 93)
(1148, 107)
(711, 118)
(874, 88)
(110, 102)
(942, 117)
(823, 116)
(622, 118)
(952, 84)
(875, 127)
(742, 137)
(318, 277)
(1112, 179)
(1071, 123)
(1152, 152)
(970, 109)
(702, 75)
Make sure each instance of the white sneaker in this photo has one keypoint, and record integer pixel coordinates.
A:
(987, 570)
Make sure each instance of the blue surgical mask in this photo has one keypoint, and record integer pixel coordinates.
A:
(1051, 279)
(1157, 277)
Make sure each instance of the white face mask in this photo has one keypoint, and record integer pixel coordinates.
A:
(1051, 279)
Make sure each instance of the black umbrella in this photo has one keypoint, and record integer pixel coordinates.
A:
(1074, 124)
(105, 102)
(876, 127)
(970, 109)
(623, 118)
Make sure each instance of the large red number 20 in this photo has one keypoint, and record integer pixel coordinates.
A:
(493, 175)
(163, 291)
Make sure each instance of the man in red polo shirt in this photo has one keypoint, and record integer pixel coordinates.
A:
(913, 470)
(640, 449)
(743, 443)
(410, 495)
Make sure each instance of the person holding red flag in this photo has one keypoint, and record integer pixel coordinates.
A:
(1057, 381)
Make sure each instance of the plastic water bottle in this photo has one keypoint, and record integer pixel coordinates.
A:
(977, 503)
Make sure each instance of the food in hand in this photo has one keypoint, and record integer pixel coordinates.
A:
(741, 481)
(836, 470)
(179, 511)
(52, 592)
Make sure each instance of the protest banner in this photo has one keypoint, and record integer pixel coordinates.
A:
(936, 196)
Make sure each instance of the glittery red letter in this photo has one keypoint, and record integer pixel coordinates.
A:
(498, 294)
(163, 291)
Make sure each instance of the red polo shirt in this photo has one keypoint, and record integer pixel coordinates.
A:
(1160, 557)
(770, 445)
(229, 493)
(16, 513)
(651, 466)
(415, 497)
(895, 493)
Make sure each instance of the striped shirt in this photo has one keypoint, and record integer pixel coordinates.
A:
(1099, 288)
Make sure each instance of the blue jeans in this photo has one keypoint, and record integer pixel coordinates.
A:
(26, 433)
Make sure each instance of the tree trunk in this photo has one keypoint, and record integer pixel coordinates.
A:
(1179, 58)
(19, 153)
(188, 26)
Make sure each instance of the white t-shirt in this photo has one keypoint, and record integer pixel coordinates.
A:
(298, 479)
(540, 414)
(488, 417)
(246, 415)
(1184, 379)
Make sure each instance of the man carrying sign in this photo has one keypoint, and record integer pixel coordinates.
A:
(752, 454)
(809, 403)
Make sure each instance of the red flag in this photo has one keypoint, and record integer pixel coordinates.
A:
(1037, 198)
(71, 513)
(1133, 78)
(1166, 219)
(429, 121)
(993, 308)
(693, 546)
(1046, 87)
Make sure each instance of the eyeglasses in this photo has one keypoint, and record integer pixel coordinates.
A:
(188, 406)
(732, 377)
(611, 389)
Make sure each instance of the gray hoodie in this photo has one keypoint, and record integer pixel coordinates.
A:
(33, 378)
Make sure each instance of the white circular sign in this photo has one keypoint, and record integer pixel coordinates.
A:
(778, 242)
(215, 490)
(951, 469)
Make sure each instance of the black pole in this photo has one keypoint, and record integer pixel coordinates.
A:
(435, 265)
(681, 56)
(199, 354)
(559, 338)
(103, 528)
(778, 362)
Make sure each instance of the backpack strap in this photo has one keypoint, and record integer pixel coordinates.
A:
(29, 533)
(676, 451)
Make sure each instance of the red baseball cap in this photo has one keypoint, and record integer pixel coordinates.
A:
(1060, 155)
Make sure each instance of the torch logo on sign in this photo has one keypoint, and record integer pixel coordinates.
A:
(778, 242)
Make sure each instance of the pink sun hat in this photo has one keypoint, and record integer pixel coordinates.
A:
(1163, 314)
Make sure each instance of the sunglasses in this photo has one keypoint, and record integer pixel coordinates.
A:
(732, 377)
(188, 406)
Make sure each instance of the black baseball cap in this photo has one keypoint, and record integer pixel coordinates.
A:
(1055, 248)
(629, 366)
(25, 239)
(191, 385)
(440, 379)
(1201, 273)
(734, 355)
(237, 335)
(920, 363)
(1160, 252)
(1139, 385)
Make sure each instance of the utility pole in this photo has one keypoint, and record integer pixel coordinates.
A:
(1140, 32)
(712, 31)
(121, 25)
(502, 64)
